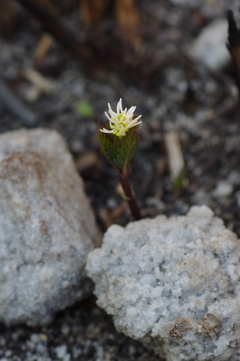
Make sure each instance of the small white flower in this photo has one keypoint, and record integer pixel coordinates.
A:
(121, 121)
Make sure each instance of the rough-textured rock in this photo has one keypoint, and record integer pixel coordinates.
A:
(210, 46)
(173, 284)
(47, 228)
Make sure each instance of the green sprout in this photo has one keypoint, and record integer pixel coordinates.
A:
(84, 109)
(118, 141)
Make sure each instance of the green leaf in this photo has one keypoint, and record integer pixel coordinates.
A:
(85, 109)
(179, 180)
(105, 142)
(122, 152)
(119, 151)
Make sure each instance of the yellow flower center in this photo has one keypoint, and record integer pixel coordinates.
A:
(120, 125)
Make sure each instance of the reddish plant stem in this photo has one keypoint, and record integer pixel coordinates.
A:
(130, 196)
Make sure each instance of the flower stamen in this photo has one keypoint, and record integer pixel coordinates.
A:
(121, 121)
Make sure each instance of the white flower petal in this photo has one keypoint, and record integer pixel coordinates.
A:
(131, 111)
(111, 125)
(132, 125)
(111, 112)
(138, 117)
(118, 107)
(121, 121)
(121, 108)
(107, 116)
(106, 130)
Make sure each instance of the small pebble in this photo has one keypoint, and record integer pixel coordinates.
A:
(67, 357)
(41, 349)
(2, 341)
(42, 337)
(112, 203)
(234, 177)
(131, 350)
(210, 46)
(76, 352)
(100, 354)
(155, 202)
(15, 336)
(65, 329)
(61, 351)
(8, 353)
(223, 189)
(34, 338)
(30, 345)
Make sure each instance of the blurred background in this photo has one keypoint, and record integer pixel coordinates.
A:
(62, 61)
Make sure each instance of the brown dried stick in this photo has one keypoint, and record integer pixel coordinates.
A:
(49, 17)
(92, 10)
(96, 54)
(128, 18)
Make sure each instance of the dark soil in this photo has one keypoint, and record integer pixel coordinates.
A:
(172, 93)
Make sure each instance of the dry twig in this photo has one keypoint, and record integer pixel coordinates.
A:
(175, 158)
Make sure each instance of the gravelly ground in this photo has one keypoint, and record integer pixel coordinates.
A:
(83, 332)
(201, 105)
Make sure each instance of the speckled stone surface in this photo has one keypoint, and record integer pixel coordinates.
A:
(173, 284)
(47, 228)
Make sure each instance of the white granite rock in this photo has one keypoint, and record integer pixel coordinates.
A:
(47, 228)
(173, 284)
(210, 46)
